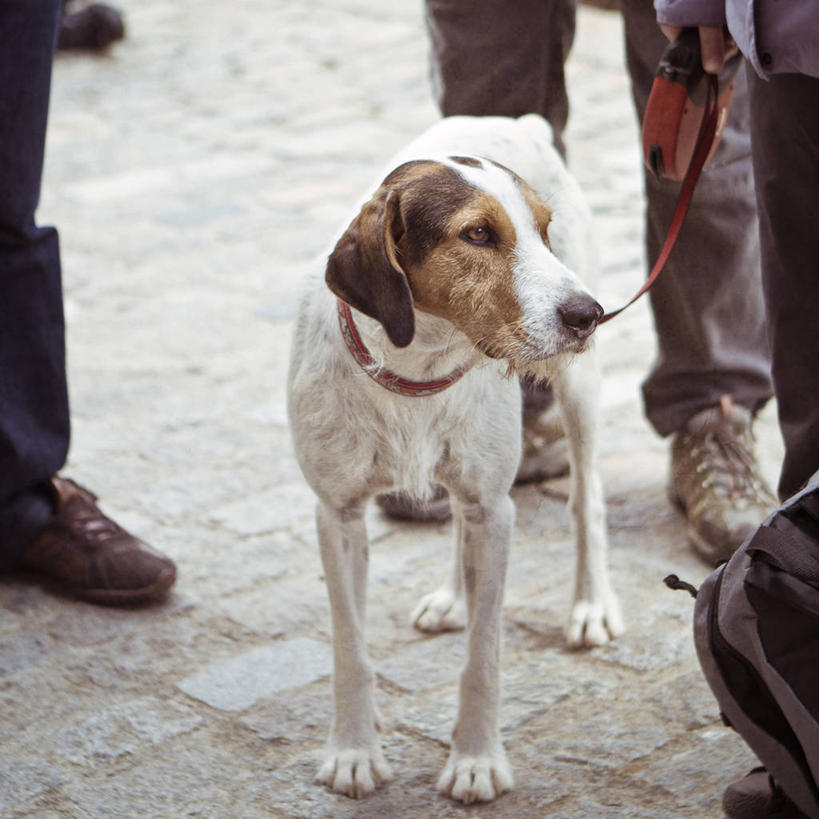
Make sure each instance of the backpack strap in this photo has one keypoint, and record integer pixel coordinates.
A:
(789, 550)
(810, 503)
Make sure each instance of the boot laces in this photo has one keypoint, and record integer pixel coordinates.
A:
(727, 464)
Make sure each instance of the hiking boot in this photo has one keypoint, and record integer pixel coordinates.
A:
(545, 455)
(91, 556)
(756, 796)
(545, 452)
(715, 480)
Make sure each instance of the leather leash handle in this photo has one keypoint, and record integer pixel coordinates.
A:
(704, 142)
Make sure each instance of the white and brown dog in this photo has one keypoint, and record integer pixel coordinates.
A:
(462, 269)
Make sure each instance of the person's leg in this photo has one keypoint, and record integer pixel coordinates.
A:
(712, 371)
(495, 58)
(48, 525)
(707, 304)
(34, 427)
(507, 59)
(785, 143)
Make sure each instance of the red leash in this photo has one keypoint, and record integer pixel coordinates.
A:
(704, 142)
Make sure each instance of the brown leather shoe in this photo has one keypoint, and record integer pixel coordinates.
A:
(92, 28)
(91, 556)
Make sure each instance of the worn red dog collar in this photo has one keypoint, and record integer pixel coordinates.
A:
(387, 379)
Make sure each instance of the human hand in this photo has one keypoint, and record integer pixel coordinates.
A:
(716, 45)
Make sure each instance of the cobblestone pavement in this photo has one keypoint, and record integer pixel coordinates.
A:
(195, 172)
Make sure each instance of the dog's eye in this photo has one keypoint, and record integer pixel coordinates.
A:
(478, 235)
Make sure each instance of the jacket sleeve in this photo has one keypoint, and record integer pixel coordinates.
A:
(777, 36)
(690, 12)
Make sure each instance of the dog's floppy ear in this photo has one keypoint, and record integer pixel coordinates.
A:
(364, 271)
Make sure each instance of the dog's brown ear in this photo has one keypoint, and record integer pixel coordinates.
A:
(364, 271)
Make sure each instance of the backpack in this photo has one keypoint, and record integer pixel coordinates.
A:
(756, 630)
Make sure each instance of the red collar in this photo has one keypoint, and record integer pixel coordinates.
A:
(387, 379)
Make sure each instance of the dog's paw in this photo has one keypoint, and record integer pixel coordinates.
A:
(440, 610)
(594, 623)
(354, 771)
(476, 778)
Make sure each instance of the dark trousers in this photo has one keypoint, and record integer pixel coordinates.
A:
(34, 425)
(785, 146)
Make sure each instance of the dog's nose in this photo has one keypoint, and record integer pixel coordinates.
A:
(580, 314)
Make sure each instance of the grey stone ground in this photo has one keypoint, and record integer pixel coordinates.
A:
(194, 173)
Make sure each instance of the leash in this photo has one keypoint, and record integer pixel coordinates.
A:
(705, 139)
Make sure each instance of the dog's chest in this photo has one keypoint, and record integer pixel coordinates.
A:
(411, 442)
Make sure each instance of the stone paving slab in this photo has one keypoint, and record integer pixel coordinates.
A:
(196, 172)
(263, 672)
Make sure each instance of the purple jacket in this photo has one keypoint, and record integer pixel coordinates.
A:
(776, 36)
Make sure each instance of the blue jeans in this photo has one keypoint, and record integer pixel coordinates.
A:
(34, 425)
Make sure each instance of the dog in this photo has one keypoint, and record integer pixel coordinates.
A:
(461, 272)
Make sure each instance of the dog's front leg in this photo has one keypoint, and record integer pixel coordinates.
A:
(595, 618)
(477, 768)
(353, 763)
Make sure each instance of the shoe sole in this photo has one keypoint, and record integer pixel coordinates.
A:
(124, 597)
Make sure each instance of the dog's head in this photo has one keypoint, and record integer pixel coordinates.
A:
(467, 240)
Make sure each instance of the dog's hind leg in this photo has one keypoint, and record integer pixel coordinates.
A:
(595, 617)
(477, 769)
(445, 608)
(353, 763)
